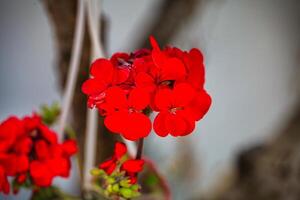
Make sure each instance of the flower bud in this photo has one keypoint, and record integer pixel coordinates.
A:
(115, 187)
(111, 180)
(96, 172)
(126, 192)
(125, 183)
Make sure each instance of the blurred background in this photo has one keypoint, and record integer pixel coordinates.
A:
(251, 49)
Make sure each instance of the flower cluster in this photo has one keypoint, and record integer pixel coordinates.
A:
(31, 154)
(117, 176)
(169, 81)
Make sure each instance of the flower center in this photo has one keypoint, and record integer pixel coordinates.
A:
(174, 110)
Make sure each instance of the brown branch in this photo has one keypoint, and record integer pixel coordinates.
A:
(267, 171)
(168, 21)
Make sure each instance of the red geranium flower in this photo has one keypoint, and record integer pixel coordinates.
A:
(104, 74)
(132, 168)
(10, 129)
(164, 69)
(179, 108)
(110, 165)
(27, 146)
(125, 114)
(168, 80)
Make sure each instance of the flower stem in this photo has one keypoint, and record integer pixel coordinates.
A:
(140, 149)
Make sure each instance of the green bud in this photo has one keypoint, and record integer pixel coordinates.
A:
(96, 172)
(115, 187)
(126, 192)
(111, 180)
(125, 183)
(135, 187)
(135, 194)
(109, 189)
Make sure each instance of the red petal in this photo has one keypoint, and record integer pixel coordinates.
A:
(137, 126)
(159, 124)
(10, 129)
(48, 134)
(93, 86)
(116, 97)
(133, 166)
(133, 179)
(41, 149)
(194, 62)
(172, 69)
(177, 125)
(22, 163)
(200, 105)
(40, 174)
(153, 43)
(103, 70)
(23, 146)
(108, 166)
(157, 56)
(111, 168)
(59, 166)
(21, 178)
(120, 150)
(144, 80)
(189, 120)
(116, 122)
(163, 99)
(139, 99)
(4, 184)
(69, 147)
(183, 94)
(121, 75)
(32, 122)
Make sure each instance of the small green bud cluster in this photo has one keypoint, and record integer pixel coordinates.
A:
(115, 185)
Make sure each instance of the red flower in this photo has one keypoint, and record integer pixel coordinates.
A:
(40, 174)
(164, 70)
(69, 147)
(196, 72)
(125, 115)
(27, 146)
(132, 168)
(169, 80)
(179, 108)
(104, 74)
(10, 129)
(110, 165)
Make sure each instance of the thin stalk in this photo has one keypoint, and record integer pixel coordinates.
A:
(92, 122)
(73, 69)
(140, 149)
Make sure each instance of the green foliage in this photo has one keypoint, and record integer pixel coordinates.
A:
(151, 180)
(50, 113)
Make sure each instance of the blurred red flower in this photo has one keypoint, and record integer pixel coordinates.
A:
(28, 146)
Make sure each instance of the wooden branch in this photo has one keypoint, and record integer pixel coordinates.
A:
(267, 171)
(62, 15)
(168, 21)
